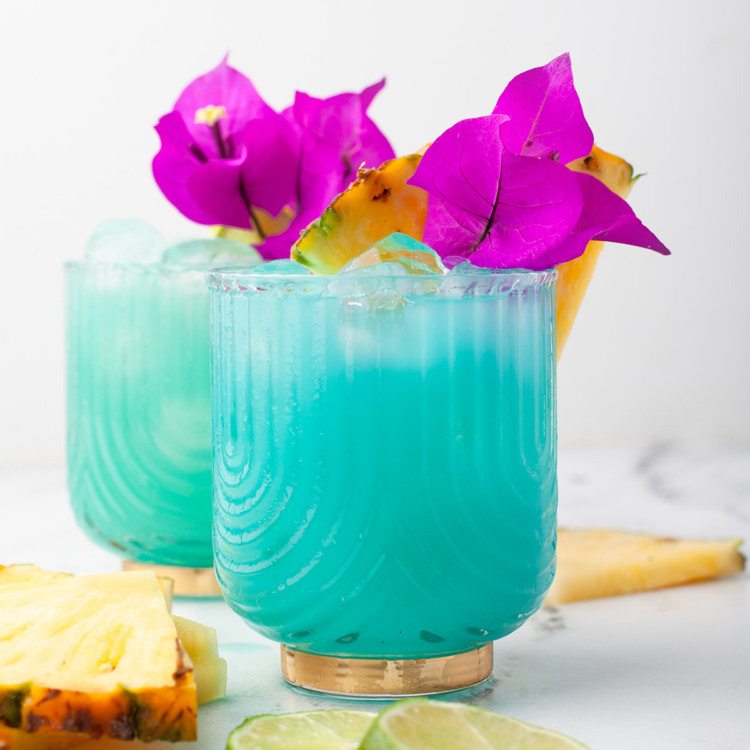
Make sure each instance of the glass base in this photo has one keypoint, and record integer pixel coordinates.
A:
(383, 678)
(197, 582)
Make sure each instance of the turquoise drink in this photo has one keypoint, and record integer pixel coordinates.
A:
(384, 458)
(139, 425)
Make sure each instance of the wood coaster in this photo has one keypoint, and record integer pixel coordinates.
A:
(384, 678)
(198, 582)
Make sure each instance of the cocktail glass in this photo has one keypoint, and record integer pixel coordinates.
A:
(384, 454)
(139, 422)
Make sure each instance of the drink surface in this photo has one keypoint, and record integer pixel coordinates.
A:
(139, 435)
(384, 465)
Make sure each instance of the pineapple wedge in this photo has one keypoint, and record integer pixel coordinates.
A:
(380, 202)
(96, 655)
(200, 641)
(376, 204)
(599, 563)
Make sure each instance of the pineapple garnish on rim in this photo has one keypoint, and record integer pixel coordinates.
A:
(597, 563)
(380, 202)
(97, 655)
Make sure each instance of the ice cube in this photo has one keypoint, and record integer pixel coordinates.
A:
(125, 241)
(379, 268)
(417, 258)
(357, 283)
(212, 253)
(283, 267)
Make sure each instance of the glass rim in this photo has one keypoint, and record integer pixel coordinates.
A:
(143, 268)
(241, 280)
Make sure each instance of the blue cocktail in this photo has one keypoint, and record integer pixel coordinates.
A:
(384, 463)
(138, 401)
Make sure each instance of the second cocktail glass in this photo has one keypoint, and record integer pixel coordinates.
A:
(384, 456)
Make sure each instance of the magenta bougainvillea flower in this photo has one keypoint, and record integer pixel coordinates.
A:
(337, 137)
(498, 189)
(228, 158)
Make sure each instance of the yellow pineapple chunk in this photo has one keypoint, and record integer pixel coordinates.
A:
(96, 655)
(376, 204)
(598, 563)
(209, 669)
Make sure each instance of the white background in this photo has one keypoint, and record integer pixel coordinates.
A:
(659, 352)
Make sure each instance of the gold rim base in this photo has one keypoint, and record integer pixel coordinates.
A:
(383, 678)
(198, 582)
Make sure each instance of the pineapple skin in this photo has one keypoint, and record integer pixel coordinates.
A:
(378, 203)
(165, 713)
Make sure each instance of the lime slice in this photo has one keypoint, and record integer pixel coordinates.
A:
(421, 724)
(306, 730)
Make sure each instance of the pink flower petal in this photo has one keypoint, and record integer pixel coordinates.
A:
(502, 210)
(545, 117)
(216, 186)
(271, 164)
(227, 87)
(607, 217)
(174, 164)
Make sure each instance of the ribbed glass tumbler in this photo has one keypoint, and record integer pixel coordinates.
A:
(385, 483)
(139, 420)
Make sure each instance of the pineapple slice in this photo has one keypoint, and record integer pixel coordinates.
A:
(96, 655)
(599, 563)
(573, 277)
(200, 641)
(376, 204)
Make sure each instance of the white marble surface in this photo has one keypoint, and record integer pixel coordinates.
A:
(666, 669)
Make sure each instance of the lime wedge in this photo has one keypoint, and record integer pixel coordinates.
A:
(421, 724)
(306, 730)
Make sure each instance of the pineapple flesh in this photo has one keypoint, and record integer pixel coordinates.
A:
(376, 204)
(94, 655)
(599, 563)
(28, 573)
